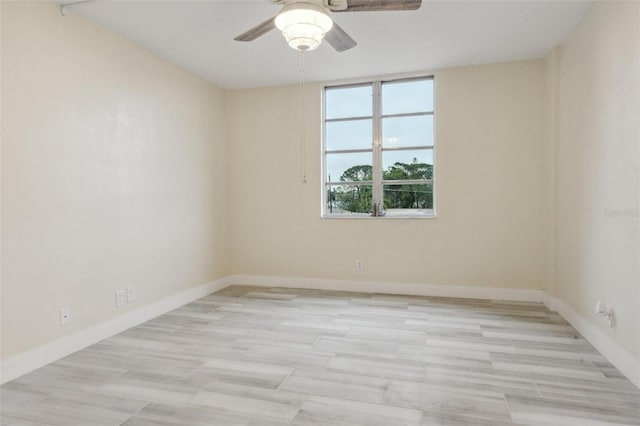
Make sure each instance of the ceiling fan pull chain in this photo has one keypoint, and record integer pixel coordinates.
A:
(303, 147)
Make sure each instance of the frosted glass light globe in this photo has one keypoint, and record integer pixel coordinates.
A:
(303, 25)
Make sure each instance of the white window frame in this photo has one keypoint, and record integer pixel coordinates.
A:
(377, 149)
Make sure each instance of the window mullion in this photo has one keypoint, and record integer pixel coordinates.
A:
(377, 147)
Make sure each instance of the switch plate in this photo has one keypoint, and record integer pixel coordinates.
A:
(131, 294)
(359, 265)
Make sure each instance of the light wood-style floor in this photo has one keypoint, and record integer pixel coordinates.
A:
(273, 356)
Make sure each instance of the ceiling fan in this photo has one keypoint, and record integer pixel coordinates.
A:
(304, 23)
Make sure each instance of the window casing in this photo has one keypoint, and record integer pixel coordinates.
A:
(378, 149)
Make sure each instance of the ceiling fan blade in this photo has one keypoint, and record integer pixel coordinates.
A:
(257, 31)
(381, 5)
(339, 39)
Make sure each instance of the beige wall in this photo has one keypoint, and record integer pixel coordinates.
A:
(598, 224)
(489, 170)
(113, 175)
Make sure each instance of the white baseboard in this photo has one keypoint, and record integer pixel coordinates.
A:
(604, 343)
(18, 365)
(26, 362)
(491, 293)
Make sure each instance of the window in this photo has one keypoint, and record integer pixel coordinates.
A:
(379, 149)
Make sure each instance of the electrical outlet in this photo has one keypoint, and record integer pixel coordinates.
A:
(359, 265)
(131, 294)
(610, 315)
(605, 311)
(120, 298)
(65, 316)
(598, 307)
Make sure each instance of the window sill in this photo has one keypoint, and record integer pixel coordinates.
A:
(390, 214)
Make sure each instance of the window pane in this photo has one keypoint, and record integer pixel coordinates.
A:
(408, 196)
(407, 131)
(403, 165)
(348, 102)
(408, 96)
(356, 134)
(349, 167)
(349, 199)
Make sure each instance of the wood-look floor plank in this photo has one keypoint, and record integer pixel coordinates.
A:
(255, 356)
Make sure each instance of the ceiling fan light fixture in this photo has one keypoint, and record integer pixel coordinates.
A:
(303, 25)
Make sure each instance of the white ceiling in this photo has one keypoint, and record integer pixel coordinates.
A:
(199, 36)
